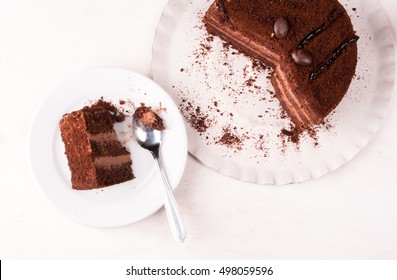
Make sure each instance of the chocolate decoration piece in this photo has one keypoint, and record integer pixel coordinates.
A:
(281, 28)
(335, 54)
(302, 57)
(334, 15)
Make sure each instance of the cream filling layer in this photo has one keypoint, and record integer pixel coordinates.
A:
(239, 40)
(107, 136)
(291, 100)
(108, 161)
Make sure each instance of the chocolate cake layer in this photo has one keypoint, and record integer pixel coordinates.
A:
(310, 44)
(95, 156)
(107, 148)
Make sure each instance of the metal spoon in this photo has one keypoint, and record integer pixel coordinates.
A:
(151, 139)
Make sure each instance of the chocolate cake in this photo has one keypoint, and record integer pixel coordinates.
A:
(311, 46)
(149, 118)
(95, 156)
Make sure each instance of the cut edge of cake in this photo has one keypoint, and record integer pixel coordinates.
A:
(304, 111)
(96, 158)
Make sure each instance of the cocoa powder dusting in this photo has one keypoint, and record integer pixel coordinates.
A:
(197, 119)
(199, 123)
(230, 140)
(292, 135)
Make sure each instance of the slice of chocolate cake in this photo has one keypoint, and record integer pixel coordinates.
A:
(310, 44)
(95, 156)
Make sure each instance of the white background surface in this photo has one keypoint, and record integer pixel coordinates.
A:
(350, 213)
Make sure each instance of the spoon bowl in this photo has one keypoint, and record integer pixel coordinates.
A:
(147, 137)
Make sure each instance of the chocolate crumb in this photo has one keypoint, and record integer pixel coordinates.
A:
(293, 135)
(230, 140)
(199, 123)
(250, 82)
(117, 115)
(198, 120)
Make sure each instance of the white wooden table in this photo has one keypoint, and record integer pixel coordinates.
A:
(350, 213)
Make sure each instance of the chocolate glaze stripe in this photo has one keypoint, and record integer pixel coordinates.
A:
(333, 16)
(222, 8)
(335, 54)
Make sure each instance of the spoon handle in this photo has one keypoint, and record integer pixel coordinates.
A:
(174, 216)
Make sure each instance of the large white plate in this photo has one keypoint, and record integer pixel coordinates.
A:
(194, 67)
(123, 203)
